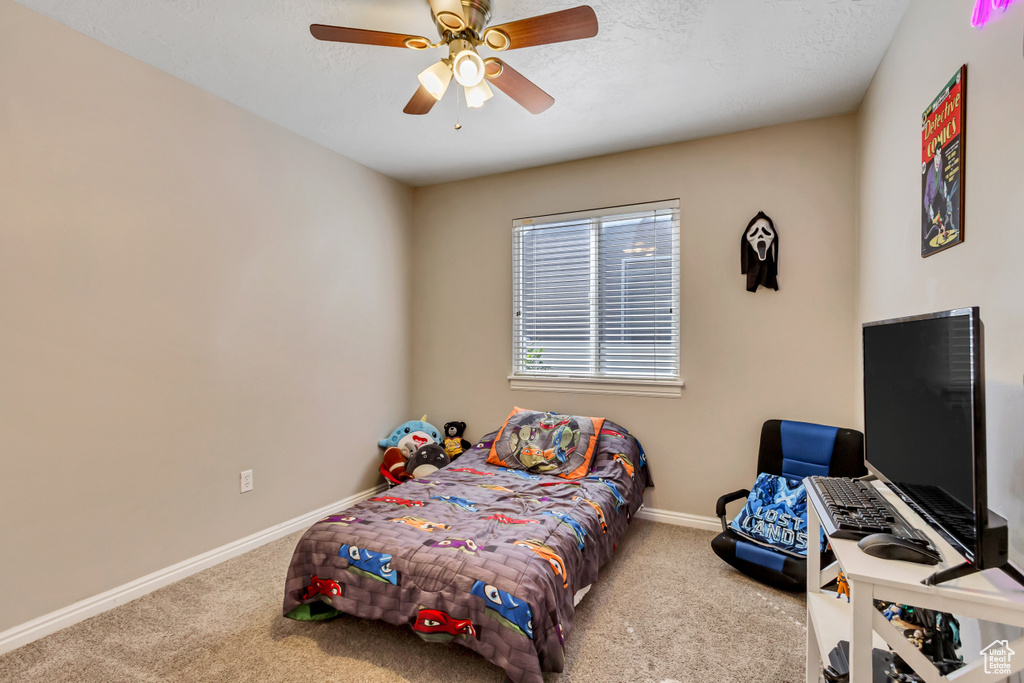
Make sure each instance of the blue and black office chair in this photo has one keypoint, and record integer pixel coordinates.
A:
(795, 450)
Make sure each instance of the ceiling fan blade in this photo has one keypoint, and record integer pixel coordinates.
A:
(343, 34)
(571, 24)
(517, 86)
(449, 13)
(421, 103)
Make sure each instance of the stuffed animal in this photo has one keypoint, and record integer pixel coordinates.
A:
(393, 467)
(454, 444)
(410, 436)
(426, 460)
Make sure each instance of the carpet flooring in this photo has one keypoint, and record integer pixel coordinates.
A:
(665, 609)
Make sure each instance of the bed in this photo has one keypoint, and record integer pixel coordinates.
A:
(487, 556)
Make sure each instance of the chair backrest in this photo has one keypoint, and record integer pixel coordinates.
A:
(802, 449)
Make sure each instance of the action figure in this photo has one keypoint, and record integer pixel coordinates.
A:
(935, 634)
(843, 586)
(891, 612)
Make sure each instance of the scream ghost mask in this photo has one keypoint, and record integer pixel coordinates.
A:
(759, 253)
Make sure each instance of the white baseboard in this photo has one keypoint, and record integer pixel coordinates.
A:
(679, 518)
(24, 634)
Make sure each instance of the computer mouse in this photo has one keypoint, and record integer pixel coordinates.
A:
(892, 547)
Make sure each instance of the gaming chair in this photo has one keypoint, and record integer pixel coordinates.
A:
(794, 450)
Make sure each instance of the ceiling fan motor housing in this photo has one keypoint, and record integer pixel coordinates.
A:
(476, 12)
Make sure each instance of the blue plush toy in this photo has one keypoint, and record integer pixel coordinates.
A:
(409, 437)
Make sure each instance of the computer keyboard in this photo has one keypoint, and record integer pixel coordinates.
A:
(932, 501)
(855, 509)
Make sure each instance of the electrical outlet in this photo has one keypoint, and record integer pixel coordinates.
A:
(245, 481)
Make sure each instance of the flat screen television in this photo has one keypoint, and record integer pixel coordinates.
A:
(924, 424)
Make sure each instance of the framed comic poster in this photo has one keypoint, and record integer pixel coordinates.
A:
(942, 167)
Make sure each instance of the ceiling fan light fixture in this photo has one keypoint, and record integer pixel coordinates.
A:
(493, 67)
(417, 43)
(451, 21)
(468, 66)
(478, 94)
(496, 39)
(436, 78)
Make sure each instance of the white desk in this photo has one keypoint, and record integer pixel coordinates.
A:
(989, 595)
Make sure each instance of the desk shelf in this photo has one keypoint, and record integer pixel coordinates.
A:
(830, 617)
(989, 595)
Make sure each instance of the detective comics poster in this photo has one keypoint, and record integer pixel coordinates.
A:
(942, 167)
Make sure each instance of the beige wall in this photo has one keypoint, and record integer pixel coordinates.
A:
(934, 39)
(186, 291)
(745, 357)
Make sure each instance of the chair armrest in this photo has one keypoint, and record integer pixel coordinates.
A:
(725, 500)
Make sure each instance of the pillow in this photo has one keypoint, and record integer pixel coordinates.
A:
(775, 515)
(546, 443)
(615, 441)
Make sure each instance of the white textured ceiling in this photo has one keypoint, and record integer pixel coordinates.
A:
(659, 71)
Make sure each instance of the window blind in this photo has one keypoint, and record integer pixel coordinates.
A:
(596, 294)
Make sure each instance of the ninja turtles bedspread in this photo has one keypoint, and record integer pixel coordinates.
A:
(486, 556)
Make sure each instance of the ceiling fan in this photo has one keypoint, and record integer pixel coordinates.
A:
(461, 26)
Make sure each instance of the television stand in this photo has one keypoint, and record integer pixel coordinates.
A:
(965, 569)
(995, 596)
(994, 536)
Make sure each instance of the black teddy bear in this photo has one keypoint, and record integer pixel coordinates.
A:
(454, 444)
(427, 460)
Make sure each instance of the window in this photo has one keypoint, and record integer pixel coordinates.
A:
(596, 301)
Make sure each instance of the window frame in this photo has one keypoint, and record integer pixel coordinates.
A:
(669, 387)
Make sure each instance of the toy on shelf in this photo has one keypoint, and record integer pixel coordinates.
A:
(427, 460)
(891, 612)
(454, 444)
(936, 634)
(842, 586)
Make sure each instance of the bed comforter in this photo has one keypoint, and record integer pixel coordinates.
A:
(486, 556)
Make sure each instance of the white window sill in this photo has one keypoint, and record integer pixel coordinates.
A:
(586, 385)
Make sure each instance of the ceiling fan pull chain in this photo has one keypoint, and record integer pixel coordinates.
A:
(458, 126)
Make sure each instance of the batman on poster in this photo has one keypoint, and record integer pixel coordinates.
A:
(942, 167)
